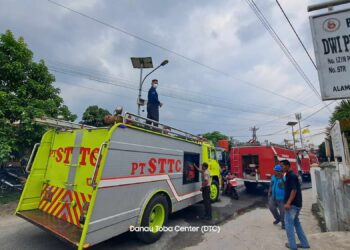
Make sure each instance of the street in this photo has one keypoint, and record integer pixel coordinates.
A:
(16, 233)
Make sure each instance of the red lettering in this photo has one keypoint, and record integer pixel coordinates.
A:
(134, 167)
(142, 165)
(59, 154)
(161, 162)
(152, 165)
(83, 152)
(68, 151)
(93, 157)
(178, 166)
(171, 163)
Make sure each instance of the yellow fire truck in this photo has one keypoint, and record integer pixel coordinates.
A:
(87, 185)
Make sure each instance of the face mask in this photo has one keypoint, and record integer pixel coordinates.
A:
(155, 85)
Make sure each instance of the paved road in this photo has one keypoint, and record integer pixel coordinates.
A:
(16, 233)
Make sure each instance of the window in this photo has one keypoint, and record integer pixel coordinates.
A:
(190, 174)
(213, 154)
(250, 164)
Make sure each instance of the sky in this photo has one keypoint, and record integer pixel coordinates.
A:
(225, 72)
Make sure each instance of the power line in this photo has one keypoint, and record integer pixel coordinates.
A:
(326, 106)
(285, 50)
(172, 51)
(85, 71)
(170, 95)
(280, 43)
(291, 25)
(175, 107)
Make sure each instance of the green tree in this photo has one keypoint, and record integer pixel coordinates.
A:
(94, 115)
(26, 91)
(341, 111)
(214, 136)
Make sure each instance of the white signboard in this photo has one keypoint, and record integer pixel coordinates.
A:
(337, 141)
(331, 36)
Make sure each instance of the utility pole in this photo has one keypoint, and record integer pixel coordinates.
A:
(254, 129)
(298, 117)
(292, 124)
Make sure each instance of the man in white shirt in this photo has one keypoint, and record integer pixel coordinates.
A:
(205, 189)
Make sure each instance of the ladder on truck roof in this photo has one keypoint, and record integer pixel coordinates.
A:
(58, 123)
(141, 122)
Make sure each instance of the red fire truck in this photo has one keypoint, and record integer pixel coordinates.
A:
(306, 160)
(254, 163)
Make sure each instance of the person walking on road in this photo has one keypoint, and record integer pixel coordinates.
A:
(293, 204)
(276, 196)
(153, 104)
(205, 189)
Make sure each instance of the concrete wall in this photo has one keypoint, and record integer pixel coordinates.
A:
(333, 198)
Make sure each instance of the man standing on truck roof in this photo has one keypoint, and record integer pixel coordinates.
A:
(276, 195)
(293, 204)
(153, 104)
(205, 189)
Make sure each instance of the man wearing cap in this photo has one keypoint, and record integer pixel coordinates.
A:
(153, 104)
(276, 195)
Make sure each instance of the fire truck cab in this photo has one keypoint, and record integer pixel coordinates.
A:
(90, 184)
(254, 164)
(306, 160)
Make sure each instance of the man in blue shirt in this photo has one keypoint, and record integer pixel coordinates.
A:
(276, 196)
(153, 104)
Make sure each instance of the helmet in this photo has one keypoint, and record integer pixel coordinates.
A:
(278, 168)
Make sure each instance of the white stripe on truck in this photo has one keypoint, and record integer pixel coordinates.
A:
(114, 182)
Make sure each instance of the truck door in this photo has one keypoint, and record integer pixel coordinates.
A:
(67, 186)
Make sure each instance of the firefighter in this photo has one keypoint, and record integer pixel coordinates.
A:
(205, 189)
(153, 104)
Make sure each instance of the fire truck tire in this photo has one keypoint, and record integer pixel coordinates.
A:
(154, 217)
(214, 191)
(250, 186)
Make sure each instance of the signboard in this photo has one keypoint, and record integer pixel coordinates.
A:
(337, 142)
(331, 37)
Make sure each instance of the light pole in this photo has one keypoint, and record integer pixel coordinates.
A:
(143, 63)
(292, 124)
(298, 117)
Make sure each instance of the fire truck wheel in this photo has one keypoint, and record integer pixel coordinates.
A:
(250, 186)
(214, 191)
(154, 217)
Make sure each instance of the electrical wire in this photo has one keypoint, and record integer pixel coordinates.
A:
(86, 72)
(170, 95)
(280, 43)
(291, 25)
(154, 44)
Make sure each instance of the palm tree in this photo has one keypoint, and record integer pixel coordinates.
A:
(341, 112)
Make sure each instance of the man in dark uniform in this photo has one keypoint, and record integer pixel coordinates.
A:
(153, 104)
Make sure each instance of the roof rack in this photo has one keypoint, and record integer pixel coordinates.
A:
(57, 123)
(239, 144)
(140, 121)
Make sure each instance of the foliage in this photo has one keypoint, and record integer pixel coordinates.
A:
(214, 136)
(341, 111)
(26, 91)
(94, 115)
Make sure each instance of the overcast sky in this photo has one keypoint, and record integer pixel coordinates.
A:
(225, 71)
